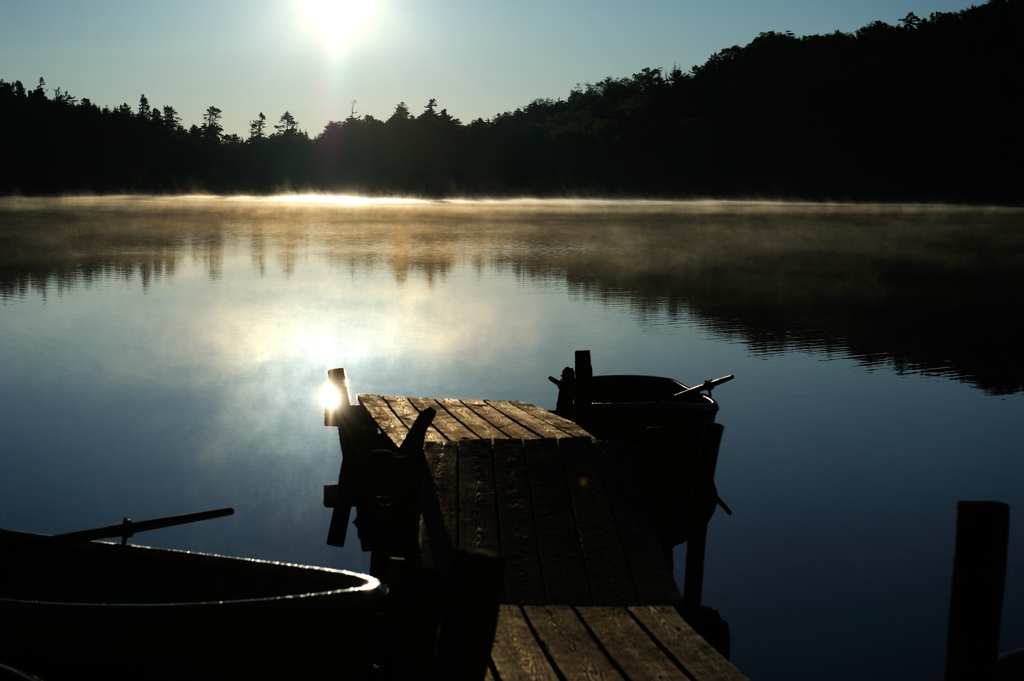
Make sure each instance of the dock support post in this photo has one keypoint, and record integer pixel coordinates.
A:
(584, 374)
(976, 598)
(342, 418)
(469, 616)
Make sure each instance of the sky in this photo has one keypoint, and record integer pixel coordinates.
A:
(314, 57)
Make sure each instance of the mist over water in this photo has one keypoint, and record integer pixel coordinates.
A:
(161, 356)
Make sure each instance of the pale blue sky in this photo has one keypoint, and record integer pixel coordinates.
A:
(476, 58)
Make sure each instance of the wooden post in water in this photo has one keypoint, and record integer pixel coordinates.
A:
(584, 374)
(341, 417)
(469, 616)
(976, 598)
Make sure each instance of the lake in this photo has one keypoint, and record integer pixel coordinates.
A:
(164, 355)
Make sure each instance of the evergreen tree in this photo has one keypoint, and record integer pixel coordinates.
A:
(212, 128)
(256, 127)
(287, 125)
(171, 118)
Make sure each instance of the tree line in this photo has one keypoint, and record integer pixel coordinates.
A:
(922, 110)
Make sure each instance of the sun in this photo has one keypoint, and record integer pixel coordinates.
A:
(336, 23)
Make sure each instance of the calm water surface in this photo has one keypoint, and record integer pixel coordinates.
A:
(161, 356)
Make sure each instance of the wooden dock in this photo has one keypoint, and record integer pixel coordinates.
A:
(638, 643)
(585, 587)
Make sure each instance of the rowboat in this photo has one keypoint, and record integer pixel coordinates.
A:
(664, 426)
(105, 610)
(618, 406)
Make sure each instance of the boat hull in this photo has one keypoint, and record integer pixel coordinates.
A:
(111, 611)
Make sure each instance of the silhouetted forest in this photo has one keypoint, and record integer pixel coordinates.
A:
(924, 110)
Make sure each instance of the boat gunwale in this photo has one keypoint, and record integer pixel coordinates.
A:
(324, 599)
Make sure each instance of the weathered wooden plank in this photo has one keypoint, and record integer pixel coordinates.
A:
(608, 573)
(526, 420)
(478, 513)
(651, 573)
(629, 645)
(691, 652)
(523, 580)
(448, 426)
(500, 421)
(470, 419)
(575, 653)
(516, 654)
(558, 540)
(542, 414)
(407, 414)
(442, 464)
(386, 420)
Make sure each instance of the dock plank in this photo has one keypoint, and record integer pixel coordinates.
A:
(523, 580)
(565, 425)
(442, 462)
(558, 540)
(607, 566)
(692, 652)
(528, 421)
(575, 653)
(516, 654)
(470, 419)
(407, 414)
(444, 422)
(500, 421)
(478, 513)
(649, 568)
(630, 646)
(385, 418)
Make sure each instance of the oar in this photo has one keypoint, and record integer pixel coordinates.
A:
(708, 385)
(124, 530)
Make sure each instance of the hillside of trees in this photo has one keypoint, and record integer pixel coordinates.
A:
(924, 110)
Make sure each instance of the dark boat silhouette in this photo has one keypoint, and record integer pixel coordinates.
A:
(616, 406)
(664, 427)
(104, 610)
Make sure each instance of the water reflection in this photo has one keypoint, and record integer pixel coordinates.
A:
(923, 289)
